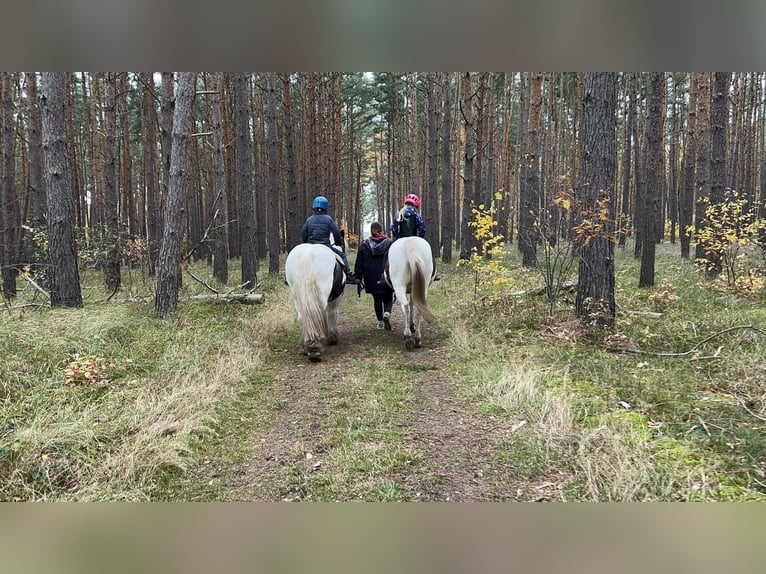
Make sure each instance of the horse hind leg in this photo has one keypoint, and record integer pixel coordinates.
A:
(409, 326)
(332, 322)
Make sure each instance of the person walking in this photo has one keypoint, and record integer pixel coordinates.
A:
(408, 220)
(320, 227)
(370, 261)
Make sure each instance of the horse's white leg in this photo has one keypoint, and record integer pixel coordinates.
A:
(404, 302)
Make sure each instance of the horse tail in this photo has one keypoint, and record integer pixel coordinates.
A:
(418, 292)
(311, 304)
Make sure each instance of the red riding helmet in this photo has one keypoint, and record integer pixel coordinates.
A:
(413, 200)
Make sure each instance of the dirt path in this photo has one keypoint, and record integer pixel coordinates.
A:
(443, 449)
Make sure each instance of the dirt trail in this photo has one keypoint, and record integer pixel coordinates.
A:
(455, 447)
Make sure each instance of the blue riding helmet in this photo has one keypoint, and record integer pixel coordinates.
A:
(321, 202)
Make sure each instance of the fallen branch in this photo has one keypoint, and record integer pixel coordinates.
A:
(29, 280)
(244, 298)
(198, 280)
(566, 286)
(695, 347)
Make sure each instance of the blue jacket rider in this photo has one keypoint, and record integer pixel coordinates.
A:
(320, 227)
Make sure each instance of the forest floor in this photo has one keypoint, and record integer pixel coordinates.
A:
(371, 421)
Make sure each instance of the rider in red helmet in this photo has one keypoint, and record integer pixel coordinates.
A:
(408, 220)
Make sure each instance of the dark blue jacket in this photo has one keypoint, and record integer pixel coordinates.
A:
(403, 228)
(318, 229)
(370, 261)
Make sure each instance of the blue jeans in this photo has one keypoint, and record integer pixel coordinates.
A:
(342, 253)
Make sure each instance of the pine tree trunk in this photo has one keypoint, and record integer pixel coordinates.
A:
(62, 249)
(273, 191)
(529, 210)
(151, 178)
(293, 203)
(702, 172)
(652, 152)
(169, 271)
(220, 218)
(111, 266)
(627, 165)
(244, 160)
(467, 242)
(431, 199)
(595, 304)
(447, 196)
(8, 205)
(686, 203)
(36, 191)
(719, 118)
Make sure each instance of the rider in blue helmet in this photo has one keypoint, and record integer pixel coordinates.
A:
(319, 227)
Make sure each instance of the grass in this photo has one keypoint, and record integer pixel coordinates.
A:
(665, 407)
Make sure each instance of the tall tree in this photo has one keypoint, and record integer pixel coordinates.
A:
(111, 265)
(431, 207)
(150, 173)
(468, 241)
(702, 171)
(719, 120)
(595, 302)
(653, 150)
(529, 209)
(220, 220)
(8, 203)
(686, 200)
(627, 150)
(274, 240)
(64, 276)
(244, 161)
(293, 204)
(169, 271)
(36, 186)
(447, 195)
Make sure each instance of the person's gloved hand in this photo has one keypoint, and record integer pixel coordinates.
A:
(359, 288)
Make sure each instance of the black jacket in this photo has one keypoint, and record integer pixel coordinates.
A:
(370, 261)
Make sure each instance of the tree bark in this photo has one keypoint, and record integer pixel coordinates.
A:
(62, 248)
(169, 274)
(447, 196)
(653, 150)
(595, 304)
(719, 119)
(111, 266)
(529, 211)
(8, 203)
(244, 161)
(686, 202)
(274, 239)
(220, 218)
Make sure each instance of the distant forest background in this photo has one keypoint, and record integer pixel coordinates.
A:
(263, 145)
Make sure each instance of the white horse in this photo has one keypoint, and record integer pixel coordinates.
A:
(409, 272)
(316, 281)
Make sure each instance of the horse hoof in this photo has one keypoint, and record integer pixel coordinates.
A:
(417, 343)
(332, 341)
(315, 357)
(410, 344)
